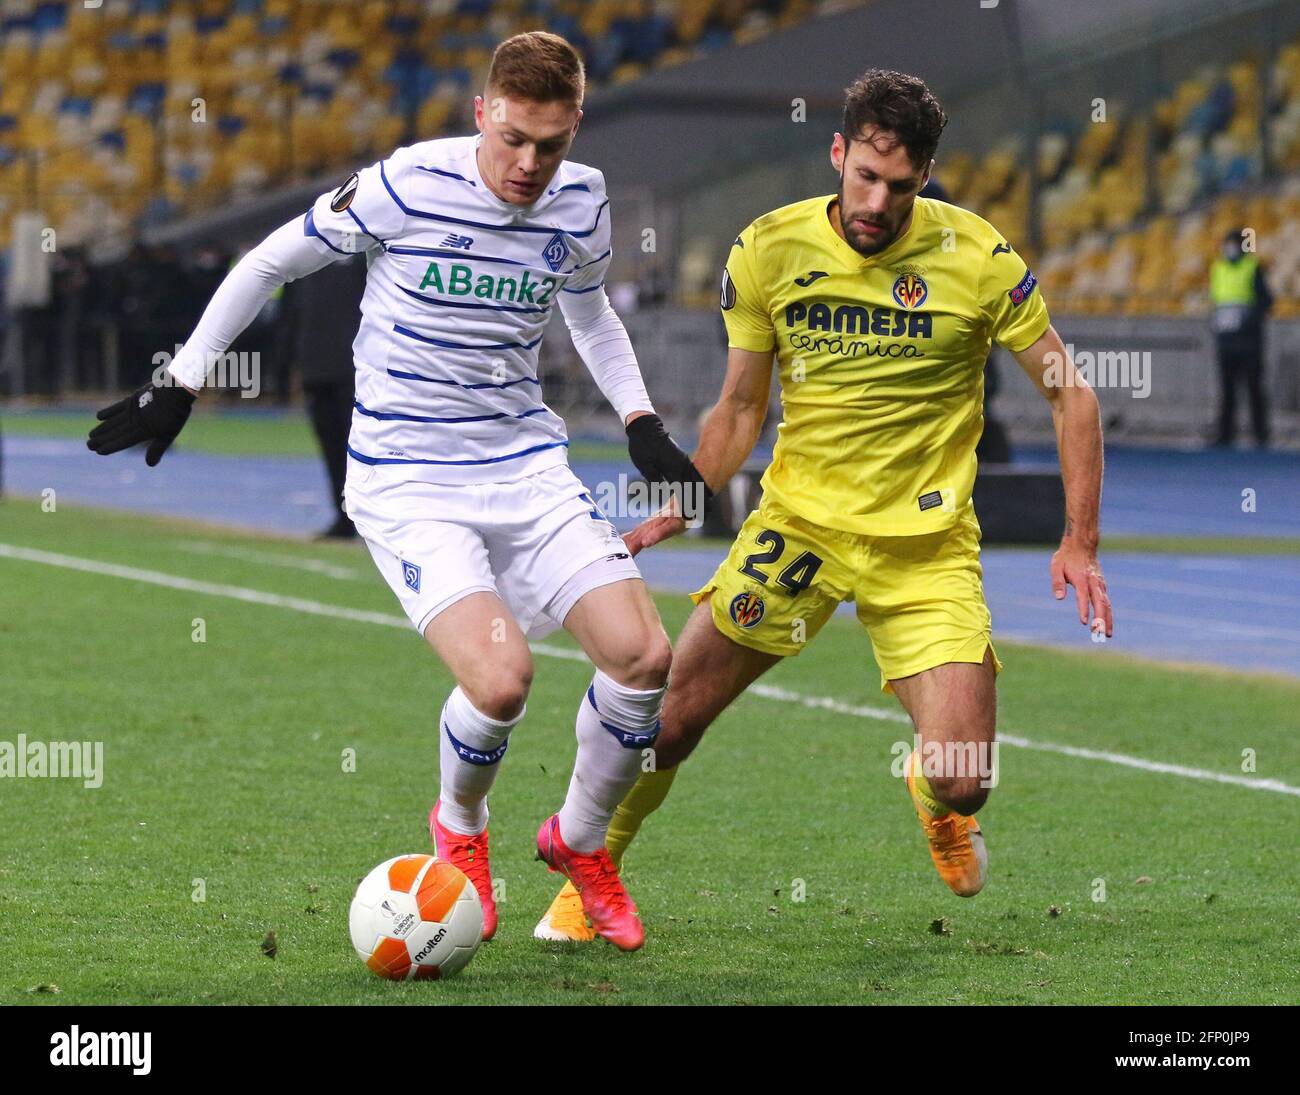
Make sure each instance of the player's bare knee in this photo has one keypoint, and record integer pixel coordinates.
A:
(501, 696)
(645, 665)
(965, 793)
(502, 701)
(655, 662)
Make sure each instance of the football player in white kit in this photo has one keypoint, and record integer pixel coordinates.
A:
(457, 474)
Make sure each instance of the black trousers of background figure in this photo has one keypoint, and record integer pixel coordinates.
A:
(329, 406)
(1241, 363)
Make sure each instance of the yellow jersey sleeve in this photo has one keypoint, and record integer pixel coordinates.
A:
(744, 301)
(1011, 300)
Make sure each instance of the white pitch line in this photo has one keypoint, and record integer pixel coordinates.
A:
(767, 691)
(269, 558)
(1151, 765)
(826, 703)
(886, 714)
(192, 585)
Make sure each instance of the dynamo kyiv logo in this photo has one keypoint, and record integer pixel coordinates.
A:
(556, 252)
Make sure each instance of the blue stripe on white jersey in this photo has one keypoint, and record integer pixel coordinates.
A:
(403, 459)
(390, 416)
(459, 291)
(438, 215)
(443, 303)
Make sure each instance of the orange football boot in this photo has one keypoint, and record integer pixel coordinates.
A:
(956, 843)
(565, 920)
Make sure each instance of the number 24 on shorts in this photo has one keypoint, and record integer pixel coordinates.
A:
(798, 575)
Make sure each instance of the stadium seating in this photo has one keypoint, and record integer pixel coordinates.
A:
(141, 110)
(1116, 241)
(138, 111)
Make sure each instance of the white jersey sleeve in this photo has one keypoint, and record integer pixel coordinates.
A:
(601, 341)
(598, 334)
(285, 255)
(355, 218)
(588, 275)
(363, 213)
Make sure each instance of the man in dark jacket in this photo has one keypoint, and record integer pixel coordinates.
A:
(1241, 300)
(324, 311)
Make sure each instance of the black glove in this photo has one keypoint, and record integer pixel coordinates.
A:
(658, 458)
(154, 413)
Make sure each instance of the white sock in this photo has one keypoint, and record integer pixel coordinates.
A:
(615, 724)
(469, 765)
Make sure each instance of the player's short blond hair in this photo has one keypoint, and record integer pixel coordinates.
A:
(539, 67)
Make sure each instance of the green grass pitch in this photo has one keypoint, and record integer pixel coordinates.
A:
(224, 763)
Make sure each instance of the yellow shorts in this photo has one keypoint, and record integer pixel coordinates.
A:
(921, 598)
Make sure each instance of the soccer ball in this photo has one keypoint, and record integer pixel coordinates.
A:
(416, 917)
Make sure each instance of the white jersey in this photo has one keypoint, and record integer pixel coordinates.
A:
(458, 475)
(459, 290)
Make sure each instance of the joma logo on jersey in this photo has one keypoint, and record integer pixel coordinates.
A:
(853, 319)
(459, 281)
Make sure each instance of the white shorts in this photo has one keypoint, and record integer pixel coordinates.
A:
(539, 543)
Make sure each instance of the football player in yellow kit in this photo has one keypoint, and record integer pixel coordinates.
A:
(880, 308)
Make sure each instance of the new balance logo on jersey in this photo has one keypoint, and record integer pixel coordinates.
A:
(810, 277)
(453, 240)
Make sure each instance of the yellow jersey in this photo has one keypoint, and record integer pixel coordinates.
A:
(881, 358)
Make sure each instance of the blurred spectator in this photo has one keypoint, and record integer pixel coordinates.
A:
(71, 279)
(1241, 299)
(138, 307)
(322, 314)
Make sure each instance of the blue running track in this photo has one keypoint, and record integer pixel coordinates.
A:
(1239, 611)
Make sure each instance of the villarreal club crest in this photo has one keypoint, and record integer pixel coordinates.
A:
(910, 290)
(747, 609)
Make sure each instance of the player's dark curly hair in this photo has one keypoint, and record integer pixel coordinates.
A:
(899, 103)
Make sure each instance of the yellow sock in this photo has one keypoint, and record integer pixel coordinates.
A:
(924, 791)
(646, 796)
